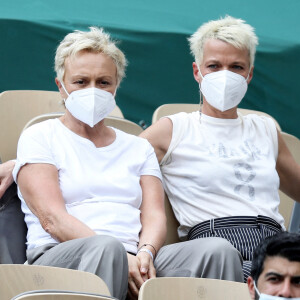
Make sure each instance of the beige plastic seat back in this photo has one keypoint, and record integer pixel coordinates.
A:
(179, 288)
(173, 108)
(172, 224)
(286, 203)
(56, 295)
(119, 123)
(16, 279)
(43, 117)
(123, 124)
(116, 113)
(18, 107)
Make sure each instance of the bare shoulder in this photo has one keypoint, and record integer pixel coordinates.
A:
(159, 136)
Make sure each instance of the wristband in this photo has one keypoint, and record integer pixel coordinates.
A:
(146, 250)
(150, 246)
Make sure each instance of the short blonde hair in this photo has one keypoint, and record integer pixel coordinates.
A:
(230, 30)
(95, 40)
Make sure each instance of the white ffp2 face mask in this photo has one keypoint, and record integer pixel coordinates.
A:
(270, 297)
(223, 89)
(90, 105)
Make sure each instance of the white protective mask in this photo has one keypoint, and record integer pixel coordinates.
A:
(223, 89)
(90, 105)
(270, 297)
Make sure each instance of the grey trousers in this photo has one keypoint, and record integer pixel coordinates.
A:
(207, 258)
(102, 255)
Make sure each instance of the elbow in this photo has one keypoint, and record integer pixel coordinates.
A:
(49, 224)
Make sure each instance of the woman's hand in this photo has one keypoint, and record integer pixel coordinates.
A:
(147, 269)
(6, 178)
(141, 268)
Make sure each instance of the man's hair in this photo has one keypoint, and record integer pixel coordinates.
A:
(285, 244)
(96, 41)
(230, 30)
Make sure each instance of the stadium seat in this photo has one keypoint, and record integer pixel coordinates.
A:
(173, 108)
(16, 279)
(178, 288)
(43, 117)
(59, 295)
(18, 107)
(295, 219)
(119, 123)
(172, 224)
(124, 125)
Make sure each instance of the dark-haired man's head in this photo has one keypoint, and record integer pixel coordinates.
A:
(276, 267)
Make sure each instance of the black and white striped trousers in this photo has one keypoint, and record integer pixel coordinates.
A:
(243, 232)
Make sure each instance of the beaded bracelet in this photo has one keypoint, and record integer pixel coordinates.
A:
(146, 250)
(150, 246)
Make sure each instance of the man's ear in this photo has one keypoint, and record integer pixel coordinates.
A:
(250, 283)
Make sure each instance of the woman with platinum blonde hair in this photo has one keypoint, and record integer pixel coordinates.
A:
(229, 30)
(91, 193)
(222, 170)
(95, 40)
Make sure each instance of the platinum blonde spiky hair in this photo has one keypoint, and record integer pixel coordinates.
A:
(95, 40)
(230, 30)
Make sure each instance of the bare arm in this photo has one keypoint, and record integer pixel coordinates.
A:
(40, 188)
(288, 171)
(153, 232)
(153, 217)
(6, 178)
(159, 136)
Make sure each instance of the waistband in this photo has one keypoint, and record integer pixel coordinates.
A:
(236, 221)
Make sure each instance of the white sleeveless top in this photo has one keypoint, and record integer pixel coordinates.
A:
(221, 167)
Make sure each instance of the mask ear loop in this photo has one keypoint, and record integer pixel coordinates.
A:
(256, 289)
(64, 90)
(248, 76)
(115, 93)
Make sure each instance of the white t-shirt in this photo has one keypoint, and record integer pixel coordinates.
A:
(100, 186)
(221, 167)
